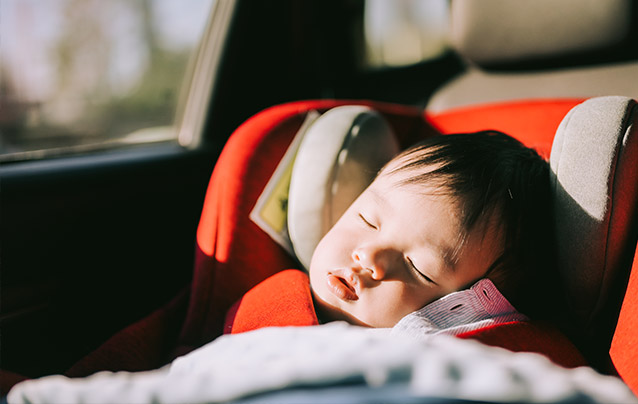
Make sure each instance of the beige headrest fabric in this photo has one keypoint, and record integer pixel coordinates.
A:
(490, 32)
(594, 163)
(338, 158)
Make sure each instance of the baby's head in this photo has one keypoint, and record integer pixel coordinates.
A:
(437, 218)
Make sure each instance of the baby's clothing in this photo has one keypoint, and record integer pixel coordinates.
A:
(480, 306)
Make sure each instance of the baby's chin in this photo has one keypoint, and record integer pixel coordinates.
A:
(327, 312)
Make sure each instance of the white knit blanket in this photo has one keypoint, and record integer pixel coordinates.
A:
(271, 359)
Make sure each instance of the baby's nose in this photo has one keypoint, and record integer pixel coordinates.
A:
(377, 261)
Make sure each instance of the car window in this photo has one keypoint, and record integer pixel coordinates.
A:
(404, 32)
(78, 75)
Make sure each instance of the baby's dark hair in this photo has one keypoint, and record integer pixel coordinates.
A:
(497, 181)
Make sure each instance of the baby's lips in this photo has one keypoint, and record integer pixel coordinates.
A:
(341, 288)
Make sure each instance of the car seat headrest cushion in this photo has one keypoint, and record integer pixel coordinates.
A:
(594, 177)
(337, 159)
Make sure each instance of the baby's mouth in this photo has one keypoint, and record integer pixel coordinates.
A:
(341, 288)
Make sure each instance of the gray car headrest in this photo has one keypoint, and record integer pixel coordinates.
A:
(488, 32)
(594, 162)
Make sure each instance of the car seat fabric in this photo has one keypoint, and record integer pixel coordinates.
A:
(231, 253)
(284, 299)
(594, 180)
(624, 345)
(141, 346)
(533, 122)
(9, 379)
(531, 336)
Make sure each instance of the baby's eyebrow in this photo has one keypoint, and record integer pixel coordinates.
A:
(449, 257)
(449, 253)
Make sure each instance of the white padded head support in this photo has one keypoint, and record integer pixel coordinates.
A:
(594, 163)
(500, 31)
(338, 158)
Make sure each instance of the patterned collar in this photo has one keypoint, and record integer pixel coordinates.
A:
(480, 306)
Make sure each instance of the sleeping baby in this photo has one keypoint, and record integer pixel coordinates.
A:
(464, 212)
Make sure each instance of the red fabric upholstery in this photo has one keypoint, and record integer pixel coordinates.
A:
(531, 337)
(8, 380)
(533, 122)
(284, 299)
(144, 345)
(624, 345)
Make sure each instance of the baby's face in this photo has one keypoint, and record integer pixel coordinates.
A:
(393, 252)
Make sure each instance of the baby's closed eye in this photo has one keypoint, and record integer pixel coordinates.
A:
(367, 222)
(418, 271)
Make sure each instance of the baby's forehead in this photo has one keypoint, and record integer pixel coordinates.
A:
(398, 163)
(413, 185)
(425, 180)
(422, 177)
(407, 165)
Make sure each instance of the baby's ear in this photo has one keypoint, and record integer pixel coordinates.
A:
(338, 158)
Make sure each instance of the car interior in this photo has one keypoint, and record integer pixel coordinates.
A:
(126, 259)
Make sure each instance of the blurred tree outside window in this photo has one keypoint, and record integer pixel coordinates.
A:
(81, 75)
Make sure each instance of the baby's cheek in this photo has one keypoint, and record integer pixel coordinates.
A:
(418, 297)
(396, 304)
(313, 276)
